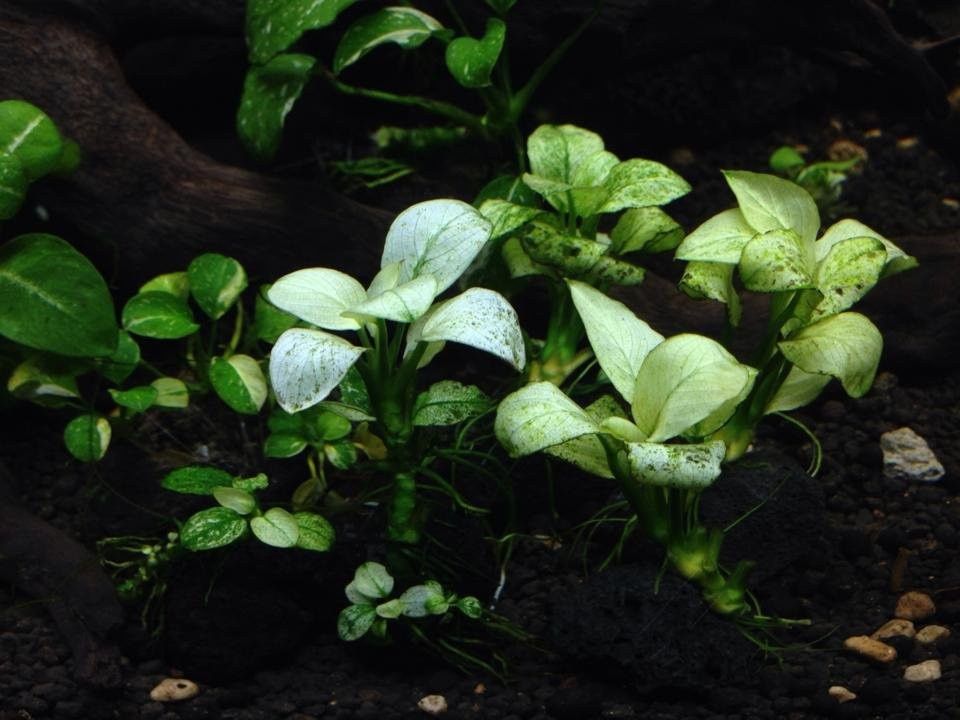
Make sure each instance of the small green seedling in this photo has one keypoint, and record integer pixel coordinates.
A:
(548, 223)
(238, 514)
(823, 180)
(427, 249)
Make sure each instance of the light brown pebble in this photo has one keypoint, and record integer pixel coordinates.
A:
(479, 689)
(930, 634)
(844, 149)
(922, 672)
(951, 203)
(915, 606)
(907, 142)
(841, 694)
(174, 690)
(895, 628)
(870, 648)
(873, 133)
(433, 704)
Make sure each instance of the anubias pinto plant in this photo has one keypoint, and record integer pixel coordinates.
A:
(823, 179)
(548, 223)
(401, 326)
(278, 74)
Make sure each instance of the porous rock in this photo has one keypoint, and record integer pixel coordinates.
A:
(925, 671)
(906, 456)
(897, 627)
(867, 647)
(931, 634)
(915, 606)
(433, 704)
(841, 694)
(174, 690)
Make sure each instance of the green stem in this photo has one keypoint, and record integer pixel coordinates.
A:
(400, 525)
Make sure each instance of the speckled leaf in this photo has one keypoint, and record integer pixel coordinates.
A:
(316, 532)
(27, 133)
(276, 527)
(305, 365)
(239, 382)
(647, 229)
(269, 93)
(251, 484)
(720, 239)
(714, 281)
(847, 273)
(137, 399)
(171, 393)
(776, 261)
(341, 454)
(681, 466)
(175, 283)
(212, 528)
(158, 315)
(506, 216)
(404, 26)
(772, 203)
(13, 186)
(371, 582)
(354, 621)
(448, 402)
(87, 437)
(557, 151)
(638, 183)
(538, 416)
(471, 61)
(216, 282)
(403, 303)
(197, 480)
(422, 600)
(274, 25)
(897, 259)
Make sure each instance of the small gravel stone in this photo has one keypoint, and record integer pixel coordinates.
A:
(895, 628)
(907, 456)
(870, 648)
(915, 606)
(174, 690)
(930, 634)
(841, 694)
(922, 672)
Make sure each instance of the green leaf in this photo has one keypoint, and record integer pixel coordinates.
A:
(305, 365)
(846, 346)
(120, 365)
(713, 280)
(720, 239)
(326, 425)
(798, 389)
(216, 282)
(175, 283)
(239, 382)
(776, 261)
(158, 315)
(197, 480)
(510, 188)
(785, 160)
(87, 437)
(897, 259)
(401, 303)
(586, 451)
(171, 393)
(422, 600)
(404, 26)
(471, 61)
(772, 203)
(620, 340)
(279, 445)
(506, 217)
(685, 380)
(52, 298)
(371, 582)
(27, 133)
(353, 393)
(437, 237)
(691, 467)
(480, 318)
(847, 273)
(276, 527)
(13, 186)
(519, 263)
(638, 183)
(269, 321)
(571, 256)
(448, 402)
(240, 501)
(212, 528)
(354, 621)
(274, 25)
(251, 484)
(500, 7)
(470, 606)
(319, 296)
(557, 153)
(539, 416)
(269, 93)
(138, 399)
(391, 609)
(316, 532)
(44, 380)
(341, 454)
(647, 229)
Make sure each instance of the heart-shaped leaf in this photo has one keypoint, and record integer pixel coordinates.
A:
(240, 501)
(772, 203)
(371, 582)
(404, 26)
(171, 393)
(776, 261)
(847, 273)
(319, 296)
(305, 365)
(216, 282)
(316, 532)
(87, 437)
(239, 382)
(276, 527)
(471, 61)
(355, 621)
(158, 315)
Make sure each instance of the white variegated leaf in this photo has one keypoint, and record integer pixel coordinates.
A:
(539, 416)
(692, 467)
(403, 303)
(798, 389)
(720, 239)
(319, 296)
(897, 259)
(306, 365)
(769, 203)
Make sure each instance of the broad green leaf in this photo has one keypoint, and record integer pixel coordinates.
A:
(274, 25)
(316, 532)
(846, 346)
(175, 283)
(897, 259)
(87, 437)
(342, 454)
(539, 416)
(305, 365)
(786, 159)
(776, 261)
(683, 381)
(437, 237)
(280, 445)
(720, 239)
(772, 203)
(619, 339)
(239, 382)
(251, 484)
(510, 188)
(847, 273)
(158, 315)
(798, 389)
(571, 256)
(171, 393)
(403, 26)
(353, 392)
(13, 186)
(480, 318)
(422, 600)
(240, 501)
(269, 93)
(371, 582)
(327, 426)
(403, 303)
(276, 527)
(557, 151)
(269, 321)
(691, 467)
(353, 622)
(120, 365)
(448, 402)
(648, 229)
(583, 200)
(638, 183)
(506, 217)
(138, 399)
(197, 480)
(216, 282)
(43, 380)
(212, 528)
(471, 61)
(391, 609)
(27, 133)
(713, 280)
(586, 451)
(319, 296)
(52, 298)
